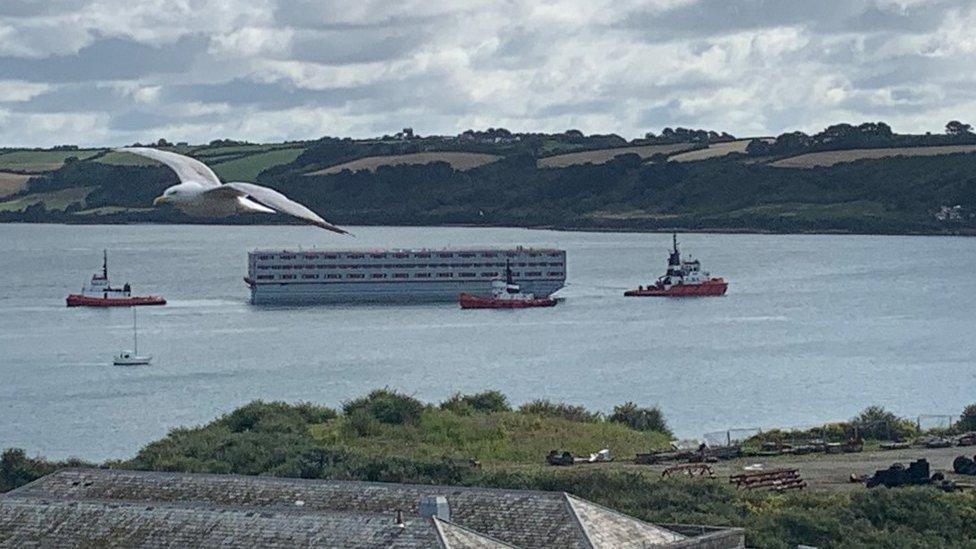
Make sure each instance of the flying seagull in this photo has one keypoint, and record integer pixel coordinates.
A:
(201, 194)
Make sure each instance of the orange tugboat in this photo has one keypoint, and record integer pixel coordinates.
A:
(683, 279)
(505, 294)
(100, 293)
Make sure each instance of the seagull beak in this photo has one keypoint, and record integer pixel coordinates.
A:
(159, 200)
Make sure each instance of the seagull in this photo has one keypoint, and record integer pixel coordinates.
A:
(201, 193)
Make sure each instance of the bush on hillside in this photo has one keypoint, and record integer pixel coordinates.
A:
(387, 407)
(874, 422)
(16, 469)
(276, 416)
(562, 410)
(483, 402)
(967, 421)
(641, 419)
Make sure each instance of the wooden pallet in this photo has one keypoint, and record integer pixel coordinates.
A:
(775, 479)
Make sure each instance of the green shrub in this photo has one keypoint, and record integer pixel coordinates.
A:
(547, 408)
(387, 407)
(16, 469)
(876, 423)
(275, 416)
(641, 419)
(967, 421)
(484, 402)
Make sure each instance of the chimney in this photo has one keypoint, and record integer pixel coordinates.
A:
(434, 506)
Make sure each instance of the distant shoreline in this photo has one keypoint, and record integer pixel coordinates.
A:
(665, 230)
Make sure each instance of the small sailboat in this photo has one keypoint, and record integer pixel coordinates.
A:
(132, 358)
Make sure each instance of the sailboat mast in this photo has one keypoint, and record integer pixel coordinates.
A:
(105, 264)
(135, 334)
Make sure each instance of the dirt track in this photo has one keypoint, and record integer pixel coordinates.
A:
(832, 472)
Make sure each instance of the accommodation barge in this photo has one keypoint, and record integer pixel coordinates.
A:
(299, 277)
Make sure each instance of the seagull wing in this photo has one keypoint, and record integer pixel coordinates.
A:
(186, 168)
(271, 198)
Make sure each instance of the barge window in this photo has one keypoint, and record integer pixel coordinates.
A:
(445, 255)
(378, 256)
(466, 255)
(422, 255)
(489, 274)
(401, 256)
(488, 255)
(534, 273)
(467, 274)
(555, 273)
(355, 276)
(309, 276)
(330, 256)
(378, 275)
(333, 276)
(444, 275)
(287, 277)
(264, 257)
(265, 277)
(422, 275)
(401, 275)
(287, 257)
(354, 256)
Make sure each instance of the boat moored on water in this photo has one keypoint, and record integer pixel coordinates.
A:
(132, 358)
(505, 294)
(100, 293)
(683, 279)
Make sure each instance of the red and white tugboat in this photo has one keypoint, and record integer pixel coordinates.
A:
(99, 293)
(683, 279)
(505, 294)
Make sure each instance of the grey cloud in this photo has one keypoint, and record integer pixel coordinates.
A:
(706, 18)
(73, 98)
(108, 59)
(32, 8)
(346, 46)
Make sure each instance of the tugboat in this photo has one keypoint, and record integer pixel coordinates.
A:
(100, 293)
(505, 294)
(683, 279)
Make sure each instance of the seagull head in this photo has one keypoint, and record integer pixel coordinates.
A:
(178, 194)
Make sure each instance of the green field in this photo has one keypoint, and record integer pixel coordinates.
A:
(248, 168)
(500, 439)
(41, 161)
(116, 158)
(55, 200)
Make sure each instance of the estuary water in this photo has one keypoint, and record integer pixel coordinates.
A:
(813, 329)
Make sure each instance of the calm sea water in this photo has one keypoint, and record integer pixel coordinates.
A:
(813, 328)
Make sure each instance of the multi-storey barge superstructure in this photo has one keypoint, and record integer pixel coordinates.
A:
(291, 277)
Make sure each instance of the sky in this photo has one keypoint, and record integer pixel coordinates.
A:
(110, 72)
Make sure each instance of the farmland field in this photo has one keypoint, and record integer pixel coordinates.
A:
(54, 200)
(248, 168)
(713, 151)
(40, 161)
(116, 158)
(829, 158)
(11, 183)
(460, 161)
(601, 156)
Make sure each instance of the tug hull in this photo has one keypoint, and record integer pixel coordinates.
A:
(469, 301)
(78, 300)
(713, 287)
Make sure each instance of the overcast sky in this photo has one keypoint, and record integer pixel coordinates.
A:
(108, 72)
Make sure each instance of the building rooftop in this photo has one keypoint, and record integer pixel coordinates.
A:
(137, 508)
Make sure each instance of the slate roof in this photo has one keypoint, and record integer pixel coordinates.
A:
(141, 508)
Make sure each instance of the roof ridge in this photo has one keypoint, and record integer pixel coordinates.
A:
(437, 524)
(576, 519)
(295, 480)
